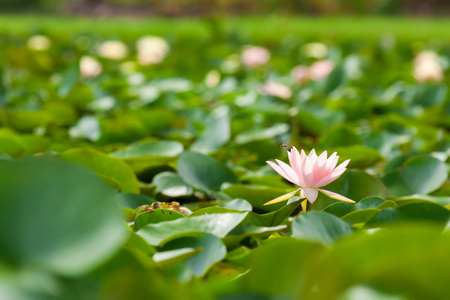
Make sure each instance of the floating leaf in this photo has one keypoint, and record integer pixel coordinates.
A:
(105, 165)
(257, 196)
(319, 226)
(170, 184)
(71, 223)
(411, 212)
(217, 224)
(154, 217)
(419, 175)
(217, 132)
(212, 250)
(203, 172)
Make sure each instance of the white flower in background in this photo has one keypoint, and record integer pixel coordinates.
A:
(90, 67)
(315, 50)
(255, 57)
(427, 67)
(300, 74)
(151, 50)
(87, 127)
(320, 69)
(102, 104)
(212, 79)
(113, 50)
(276, 89)
(39, 43)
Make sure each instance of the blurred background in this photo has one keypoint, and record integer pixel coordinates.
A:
(174, 8)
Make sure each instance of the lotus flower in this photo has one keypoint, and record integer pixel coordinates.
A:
(113, 50)
(90, 67)
(310, 173)
(151, 50)
(255, 57)
(321, 69)
(427, 67)
(276, 89)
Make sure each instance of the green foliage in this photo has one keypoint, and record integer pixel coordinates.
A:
(184, 159)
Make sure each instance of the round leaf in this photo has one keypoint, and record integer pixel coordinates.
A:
(419, 175)
(203, 172)
(320, 227)
(213, 250)
(217, 224)
(171, 185)
(105, 165)
(57, 215)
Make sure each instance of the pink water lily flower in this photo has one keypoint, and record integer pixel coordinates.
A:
(310, 172)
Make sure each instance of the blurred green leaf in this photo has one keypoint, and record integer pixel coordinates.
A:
(319, 227)
(216, 134)
(360, 157)
(256, 195)
(170, 184)
(408, 260)
(417, 212)
(63, 219)
(213, 250)
(105, 165)
(203, 172)
(418, 175)
(281, 256)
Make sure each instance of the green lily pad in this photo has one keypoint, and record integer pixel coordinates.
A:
(217, 224)
(320, 227)
(212, 251)
(141, 156)
(203, 172)
(410, 258)
(411, 212)
(154, 217)
(105, 165)
(361, 157)
(71, 223)
(419, 175)
(170, 184)
(360, 216)
(256, 195)
(216, 134)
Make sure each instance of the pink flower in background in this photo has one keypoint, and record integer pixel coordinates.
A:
(300, 74)
(310, 173)
(255, 57)
(321, 69)
(276, 89)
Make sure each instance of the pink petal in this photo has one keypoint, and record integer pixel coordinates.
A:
(311, 194)
(279, 171)
(329, 178)
(312, 157)
(320, 169)
(288, 171)
(296, 164)
(332, 161)
(336, 196)
(343, 165)
(308, 171)
(302, 155)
